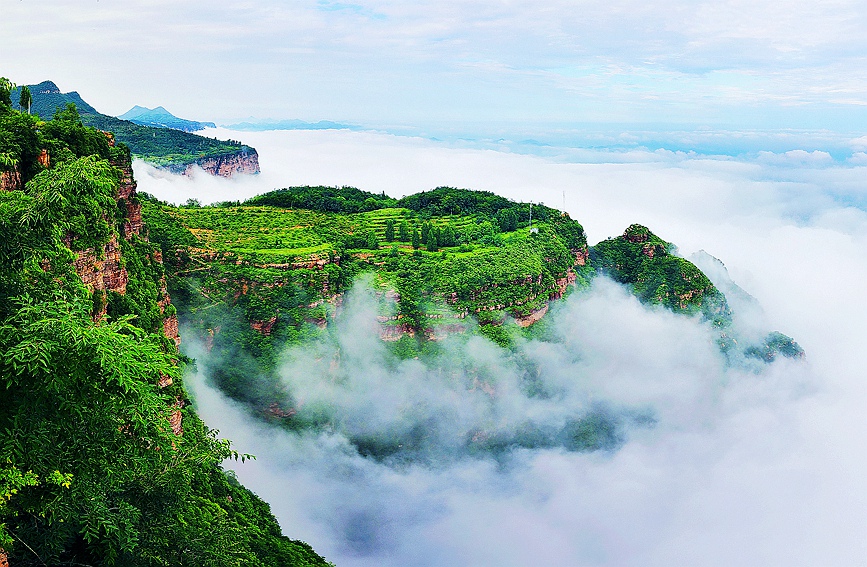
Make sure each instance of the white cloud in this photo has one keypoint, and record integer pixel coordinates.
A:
(672, 60)
(741, 468)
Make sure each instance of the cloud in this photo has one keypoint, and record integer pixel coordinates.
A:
(736, 466)
(729, 62)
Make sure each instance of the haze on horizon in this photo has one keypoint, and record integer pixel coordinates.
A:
(470, 66)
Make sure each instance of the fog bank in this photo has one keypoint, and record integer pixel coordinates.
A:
(735, 468)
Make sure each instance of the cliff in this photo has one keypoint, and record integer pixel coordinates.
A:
(649, 265)
(241, 162)
(10, 180)
(104, 269)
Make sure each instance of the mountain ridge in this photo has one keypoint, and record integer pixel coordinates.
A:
(172, 149)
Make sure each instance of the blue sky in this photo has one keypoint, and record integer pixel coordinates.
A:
(476, 66)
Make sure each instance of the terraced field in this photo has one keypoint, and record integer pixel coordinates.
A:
(274, 235)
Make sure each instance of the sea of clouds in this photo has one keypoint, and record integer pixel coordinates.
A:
(735, 466)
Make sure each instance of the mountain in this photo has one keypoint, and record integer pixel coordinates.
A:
(159, 117)
(252, 278)
(47, 98)
(175, 150)
(103, 460)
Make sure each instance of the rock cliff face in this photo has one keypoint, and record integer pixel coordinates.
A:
(244, 161)
(228, 165)
(10, 180)
(104, 270)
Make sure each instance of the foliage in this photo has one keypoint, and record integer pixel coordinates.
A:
(323, 199)
(165, 146)
(389, 230)
(25, 99)
(6, 87)
(91, 471)
(78, 197)
(775, 344)
(642, 260)
(66, 131)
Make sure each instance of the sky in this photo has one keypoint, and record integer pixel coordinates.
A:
(470, 67)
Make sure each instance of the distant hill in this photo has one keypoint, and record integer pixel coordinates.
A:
(47, 98)
(294, 124)
(163, 146)
(159, 117)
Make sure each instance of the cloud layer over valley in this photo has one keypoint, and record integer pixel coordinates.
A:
(707, 463)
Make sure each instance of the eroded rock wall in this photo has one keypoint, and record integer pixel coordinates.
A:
(244, 161)
(10, 180)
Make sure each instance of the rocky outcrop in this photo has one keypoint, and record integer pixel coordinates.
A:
(391, 333)
(533, 317)
(264, 327)
(245, 161)
(581, 256)
(10, 180)
(227, 165)
(101, 270)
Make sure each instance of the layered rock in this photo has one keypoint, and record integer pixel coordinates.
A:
(10, 180)
(533, 317)
(243, 161)
(102, 270)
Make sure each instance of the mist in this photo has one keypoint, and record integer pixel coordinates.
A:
(708, 463)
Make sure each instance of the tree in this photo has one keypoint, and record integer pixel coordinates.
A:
(425, 231)
(448, 237)
(432, 245)
(403, 232)
(507, 220)
(372, 242)
(416, 240)
(26, 100)
(389, 230)
(6, 87)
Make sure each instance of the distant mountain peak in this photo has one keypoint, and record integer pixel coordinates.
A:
(159, 117)
(134, 112)
(46, 87)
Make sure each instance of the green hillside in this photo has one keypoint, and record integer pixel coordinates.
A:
(251, 278)
(102, 459)
(165, 147)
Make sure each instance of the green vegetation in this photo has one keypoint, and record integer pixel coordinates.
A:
(166, 147)
(173, 149)
(644, 261)
(257, 276)
(93, 470)
(776, 344)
